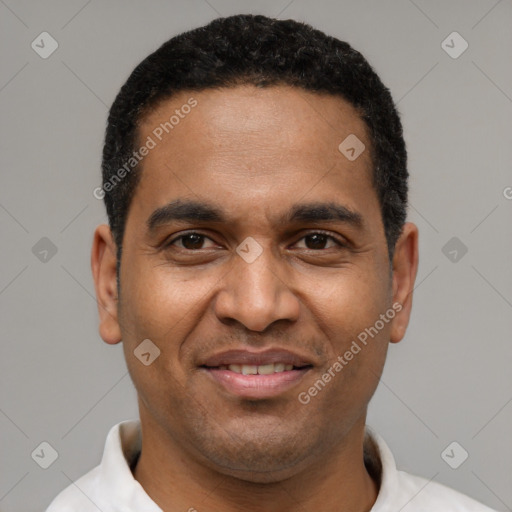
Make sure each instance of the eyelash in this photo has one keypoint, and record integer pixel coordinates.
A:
(184, 235)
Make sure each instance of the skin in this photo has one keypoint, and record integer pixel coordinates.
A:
(254, 153)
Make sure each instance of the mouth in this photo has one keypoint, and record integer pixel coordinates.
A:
(256, 375)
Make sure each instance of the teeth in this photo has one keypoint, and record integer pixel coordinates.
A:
(266, 369)
(249, 369)
(263, 369)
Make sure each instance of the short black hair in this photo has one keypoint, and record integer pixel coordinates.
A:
(261, 51)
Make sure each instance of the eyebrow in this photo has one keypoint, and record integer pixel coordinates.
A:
(324, 212)
(196, 211)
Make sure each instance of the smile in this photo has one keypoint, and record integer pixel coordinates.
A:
(256, 385)
(263, 369)
(256, 375)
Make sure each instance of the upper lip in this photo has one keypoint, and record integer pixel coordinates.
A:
(248, 357)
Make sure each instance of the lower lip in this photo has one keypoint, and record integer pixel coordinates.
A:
(257, 386)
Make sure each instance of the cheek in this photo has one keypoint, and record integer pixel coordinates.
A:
(157, 301)
(160, 305)
(348, 301)
(162, 308)
(358, 344)
(348, 311)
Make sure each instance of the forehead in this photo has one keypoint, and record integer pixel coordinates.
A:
(259, 147)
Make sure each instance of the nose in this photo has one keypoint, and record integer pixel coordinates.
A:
(256, 294)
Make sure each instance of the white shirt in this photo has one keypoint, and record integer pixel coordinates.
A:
(111, 487)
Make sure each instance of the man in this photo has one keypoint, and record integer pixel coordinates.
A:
(256, 266)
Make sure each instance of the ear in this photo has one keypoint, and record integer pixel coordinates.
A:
(103, 265)
(405, 266)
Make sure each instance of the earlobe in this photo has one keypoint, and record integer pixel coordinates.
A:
(405, 266)
(103, 265)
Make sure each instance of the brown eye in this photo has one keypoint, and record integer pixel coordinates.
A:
(318, 241)
(192, 241)
(189, 241)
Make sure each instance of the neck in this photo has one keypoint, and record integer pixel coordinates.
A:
(338, 480)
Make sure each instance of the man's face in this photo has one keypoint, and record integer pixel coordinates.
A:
(256, 156)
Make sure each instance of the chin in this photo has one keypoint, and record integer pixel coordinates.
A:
(258, 473)
(267, 458)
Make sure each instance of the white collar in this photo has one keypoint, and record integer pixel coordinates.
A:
(112, 486)
(115, 478)
(123, 445)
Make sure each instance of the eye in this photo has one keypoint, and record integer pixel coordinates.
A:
(194, 241)
(318, 240)
(190, 241)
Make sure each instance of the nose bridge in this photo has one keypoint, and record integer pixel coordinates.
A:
(258, 282)
(254, 293)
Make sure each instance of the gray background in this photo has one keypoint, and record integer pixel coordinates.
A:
(448, 380)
